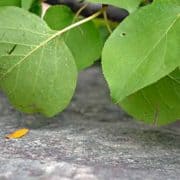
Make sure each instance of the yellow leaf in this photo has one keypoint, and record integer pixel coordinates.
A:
(18, 133)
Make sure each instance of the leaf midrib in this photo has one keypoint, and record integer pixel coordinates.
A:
(58, 33)
(155, 45)
(31, 52)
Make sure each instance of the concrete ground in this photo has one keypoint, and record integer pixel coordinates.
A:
(91, 140)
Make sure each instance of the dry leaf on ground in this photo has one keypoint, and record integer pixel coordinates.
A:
(18, 133)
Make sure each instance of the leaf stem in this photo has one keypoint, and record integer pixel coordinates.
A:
(54, 36)
(107, 22)
(79, 11)
(74, 25)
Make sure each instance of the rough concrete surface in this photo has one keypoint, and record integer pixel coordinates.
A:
(91, 140)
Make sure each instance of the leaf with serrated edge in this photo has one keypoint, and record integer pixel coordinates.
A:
(37, 70)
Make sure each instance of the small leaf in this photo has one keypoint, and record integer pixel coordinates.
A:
(85, 44)
(18, 133)
(84, 41)
(36, 7)
(58, 17)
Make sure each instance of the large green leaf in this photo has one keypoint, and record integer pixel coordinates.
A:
(84, 41)
(37, 69)
(156, 104)
(10, 3)
(143, 49)
(130, 5)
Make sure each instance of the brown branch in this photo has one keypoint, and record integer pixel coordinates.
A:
(113, 13)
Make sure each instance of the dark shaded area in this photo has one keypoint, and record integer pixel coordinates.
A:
(145, 2)
(113, 13)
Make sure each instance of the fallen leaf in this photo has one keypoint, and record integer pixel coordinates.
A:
(18, 133)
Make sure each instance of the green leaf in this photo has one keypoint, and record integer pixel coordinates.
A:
(143, 49)
(167, 1)
(37, 70)
(84, 41)
(36, 7)
(58, 17)
(85, 44)
(130, 5)
(26, 4)
(156, 104)
(10, 3)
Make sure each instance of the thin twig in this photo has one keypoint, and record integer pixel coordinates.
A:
(107, 22)
(79, 11)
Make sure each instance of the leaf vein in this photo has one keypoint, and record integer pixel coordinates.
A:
(27, 30)
(155, 45)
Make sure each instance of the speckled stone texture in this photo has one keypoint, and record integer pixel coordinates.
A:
(91, 140)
